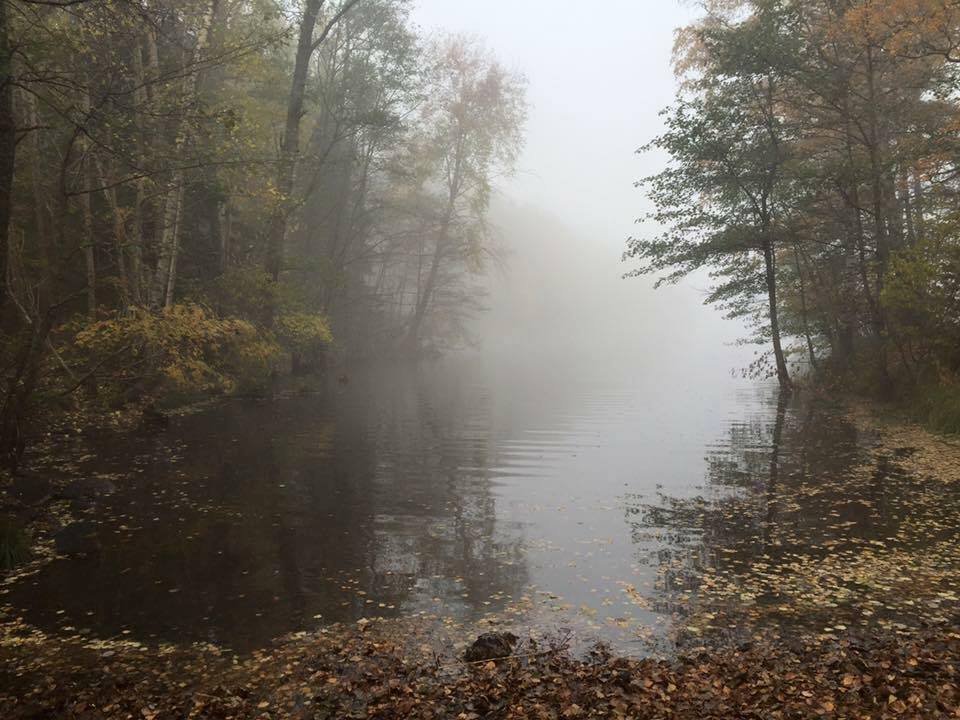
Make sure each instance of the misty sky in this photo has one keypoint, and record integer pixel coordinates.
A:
(598, 76)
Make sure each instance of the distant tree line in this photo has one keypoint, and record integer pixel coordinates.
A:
(814, 149)
(195, 191)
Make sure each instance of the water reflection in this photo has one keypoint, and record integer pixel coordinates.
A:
(459, 489)
(240, 525)
(805, 519)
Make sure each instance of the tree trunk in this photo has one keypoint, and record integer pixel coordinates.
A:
(89, 248)
(219, 211)
(783, 376)
(174, 252)
(803, 309)
(119, 231)
(290, 143)
(877, 179)
(424, 297)
(903, 187)
(852, 197)
(149, 149)
(224, 228)
(207, 202)
(8, 145)
(166, 257)
(919, 223)
(425, 294)
(34, 338)
(138, 289)
(89, 256)
(876, 151)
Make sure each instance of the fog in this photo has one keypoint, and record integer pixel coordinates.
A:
(274, 439)
(597, 79)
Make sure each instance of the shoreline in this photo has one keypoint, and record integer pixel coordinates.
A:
(386, 669)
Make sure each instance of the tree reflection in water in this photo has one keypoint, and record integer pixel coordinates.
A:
(262, 517)
(802, 521)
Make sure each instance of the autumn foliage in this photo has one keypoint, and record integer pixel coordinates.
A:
(184, 348)
(813, 171)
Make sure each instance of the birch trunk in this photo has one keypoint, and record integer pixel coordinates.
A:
(166, 258)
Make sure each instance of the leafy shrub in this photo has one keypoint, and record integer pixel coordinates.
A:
(922, 302)
(303, 333)
(937, 405)
(251, 293)
(184, 349)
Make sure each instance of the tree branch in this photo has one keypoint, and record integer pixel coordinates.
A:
(337, 16)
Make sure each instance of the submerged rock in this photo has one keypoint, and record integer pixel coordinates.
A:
(490, 646)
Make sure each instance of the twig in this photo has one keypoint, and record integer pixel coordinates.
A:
(96, 367)
(62, 364)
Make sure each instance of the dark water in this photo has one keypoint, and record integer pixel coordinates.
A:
(453, 489)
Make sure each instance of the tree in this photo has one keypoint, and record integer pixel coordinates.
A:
(814, 157)
(138, 161)
(106, 98)
(307, 45)
(470, 130)
(8, 147)
(366, 87)
(722, 197)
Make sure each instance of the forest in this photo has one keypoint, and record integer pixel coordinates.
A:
(813, 170)
(197, 196)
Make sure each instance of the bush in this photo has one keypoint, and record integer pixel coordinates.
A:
(937, 405)
(251, 293)
(184, 349)
(922, 304)
(303, 333)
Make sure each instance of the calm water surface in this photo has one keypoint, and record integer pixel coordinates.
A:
(456, 488)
